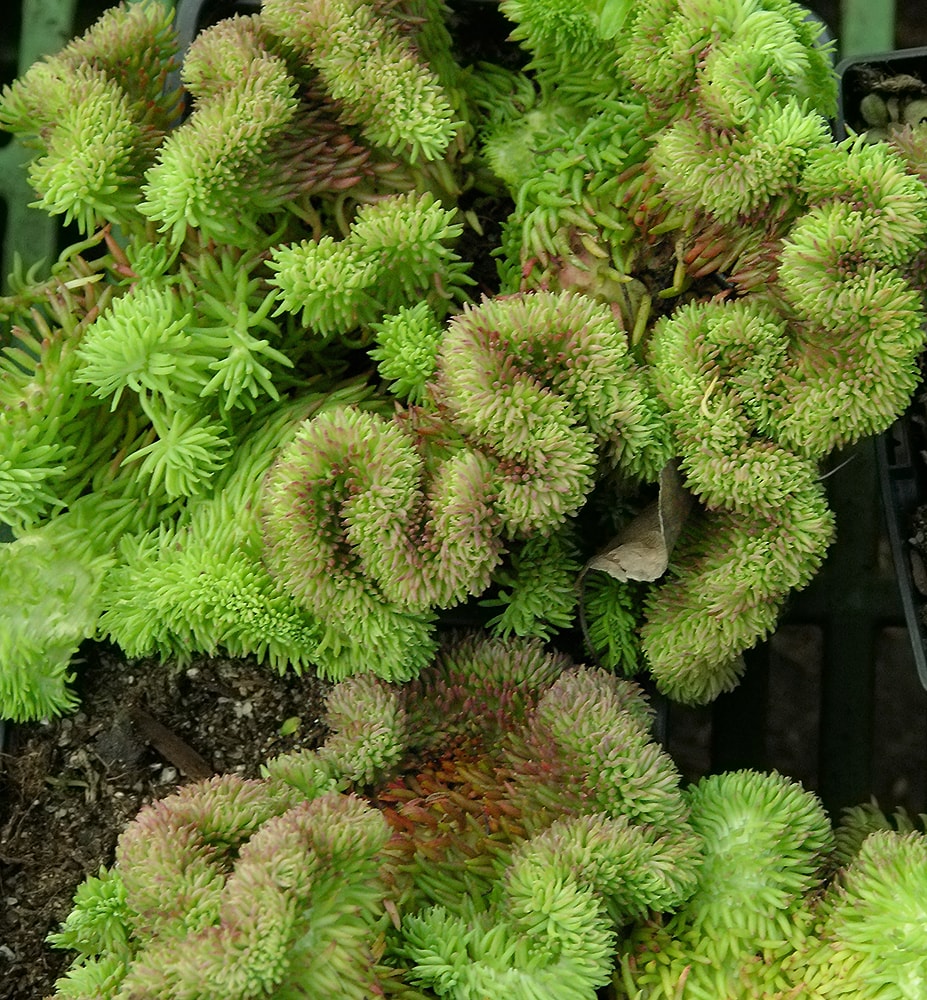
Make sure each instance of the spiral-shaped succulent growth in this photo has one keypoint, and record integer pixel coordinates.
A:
(369, 540)
(514, 868)
(396, 858)
(766, 842)
(198, 583)
(760, 388)
(712, 364)
(566, 742)
(739, 96)
(872, 935)
(241, 889)
(544, 383)
(515, 747)
(860, 319)
(740, 174)
(395, 518)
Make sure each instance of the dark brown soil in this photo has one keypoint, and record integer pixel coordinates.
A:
(69, 786)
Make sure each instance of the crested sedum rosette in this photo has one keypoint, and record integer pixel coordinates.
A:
(360, 331)
(503, 824)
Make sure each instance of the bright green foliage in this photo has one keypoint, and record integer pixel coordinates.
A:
(857, 822)
(51, 590)
(52, 432)
(766, 839)
(200, 584)
(729, 576)
(779, 912)
(713, 364)
(536, 586)
(738, 175)
(95, 157)
(573, 50)
(219, 57)
(203, 588)
(691, 53)
(397, 251)
(372, 70)
(98, 920)
(133, 44)
(361, 534)
(368, 731)
(407, 349)
(546, 382)
(97, 113)
(872, 937)
(373, 524)
(765, 846)
(217, 172)
(141, 344)
(470, 959)
(186, 452)
(564, 170)
(612, 613)
(690, 275)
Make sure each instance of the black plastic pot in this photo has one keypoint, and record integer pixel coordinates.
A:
(903, 481)
(902, 450)
(883, 73)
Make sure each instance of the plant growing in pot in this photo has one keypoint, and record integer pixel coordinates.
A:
(502, 823)
(448, 838)
(263, 408)
(695, 286)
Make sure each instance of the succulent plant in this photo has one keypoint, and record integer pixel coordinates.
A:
(512, 301)
(494, 824)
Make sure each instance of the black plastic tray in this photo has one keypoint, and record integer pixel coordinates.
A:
(903, 484)
(853, 73)
(902, 464)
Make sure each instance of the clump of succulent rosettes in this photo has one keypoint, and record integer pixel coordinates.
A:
(786, 907)
(503, 824)
(510, 302)
(492, 826)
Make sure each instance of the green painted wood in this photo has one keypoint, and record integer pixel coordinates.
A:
(866, 26)
(30, 234)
